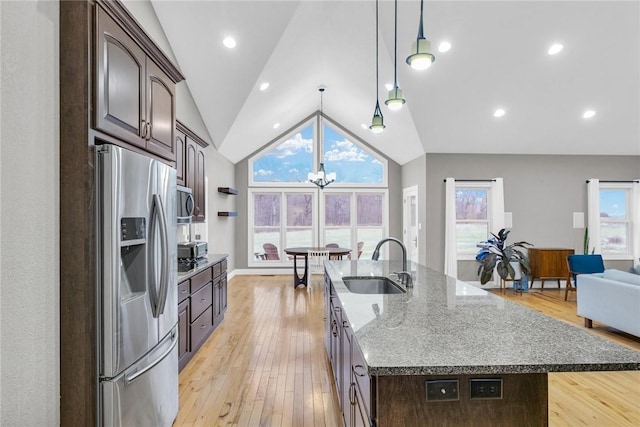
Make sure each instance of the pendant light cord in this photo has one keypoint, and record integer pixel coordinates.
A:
(377, 95)
(420, 28)
(395, 50)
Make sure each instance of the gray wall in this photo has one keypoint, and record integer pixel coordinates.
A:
(414, 173)
(542, 192)
(29, 231)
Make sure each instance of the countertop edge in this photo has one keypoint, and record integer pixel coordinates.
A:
(211, 260)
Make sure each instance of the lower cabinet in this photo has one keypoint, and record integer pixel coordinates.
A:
(202, 300)
(353, 383)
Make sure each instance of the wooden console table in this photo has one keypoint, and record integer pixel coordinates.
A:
(548, 263)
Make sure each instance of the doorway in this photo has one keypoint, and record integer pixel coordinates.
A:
(410, 222)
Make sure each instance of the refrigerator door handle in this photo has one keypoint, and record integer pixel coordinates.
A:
(153, 291)
(135, 375)
(164, 276)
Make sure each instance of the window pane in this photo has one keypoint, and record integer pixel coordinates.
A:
(350, 162)
(369, 208)
(471, 204)
(262, 236)
(299, 210)
(299, 237)
(613, 204)
(337, 210)
(289, 161)
(469, 234)
(613, 238)
(341, 236)
(266, 210)
(369, 238)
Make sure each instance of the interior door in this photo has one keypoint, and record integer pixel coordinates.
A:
(410, 223)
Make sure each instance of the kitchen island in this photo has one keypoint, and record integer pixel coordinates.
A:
(447, 353)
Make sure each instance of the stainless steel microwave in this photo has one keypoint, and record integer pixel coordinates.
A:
(185, 204)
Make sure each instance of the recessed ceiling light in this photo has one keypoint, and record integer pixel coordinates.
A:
(588, 114)
(264, 86)
(499, 112)
(389, 86)
(229, 42)
(444, 47)
(276, 125)
(555, 48)
(364, 126)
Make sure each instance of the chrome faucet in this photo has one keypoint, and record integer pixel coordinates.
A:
(404, 275)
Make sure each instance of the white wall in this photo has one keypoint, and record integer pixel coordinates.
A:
(29, 232)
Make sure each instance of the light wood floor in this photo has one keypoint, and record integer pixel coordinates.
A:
(266, 365)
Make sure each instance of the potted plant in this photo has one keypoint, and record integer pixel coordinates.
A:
(494, 254)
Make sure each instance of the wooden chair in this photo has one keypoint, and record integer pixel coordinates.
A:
(360, 246)
(271, 251)
(581, 264)
(333, 245)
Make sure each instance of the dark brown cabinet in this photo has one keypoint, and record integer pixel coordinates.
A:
(181, 145)
(135, 99)
(202, 303)
(194, 171)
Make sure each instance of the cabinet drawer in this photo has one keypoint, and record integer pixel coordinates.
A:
(200, 301)
(200, 279)
(184, 290)
(223, 267)
(217, 269)
(201, 328)
(361, 375)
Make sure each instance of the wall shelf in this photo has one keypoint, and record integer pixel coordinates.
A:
(227, 213)
(227, 190)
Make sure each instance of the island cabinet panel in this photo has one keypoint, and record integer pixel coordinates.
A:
(401, 400)
(135, 98)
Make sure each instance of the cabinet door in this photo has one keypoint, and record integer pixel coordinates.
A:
(223, 294)
(181, 146)
(198, 193)
(161, 112)
(184, 344)
(190, 166)
(120, 82)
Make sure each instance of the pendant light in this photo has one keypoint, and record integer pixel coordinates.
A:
(395, 100)
(377, 122)
(321, 179)
(421, 57)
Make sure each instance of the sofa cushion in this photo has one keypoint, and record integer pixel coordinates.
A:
(622, 276)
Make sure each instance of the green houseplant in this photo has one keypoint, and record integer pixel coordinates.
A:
(495, 254)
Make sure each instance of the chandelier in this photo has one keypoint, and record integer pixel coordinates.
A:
(321, 178)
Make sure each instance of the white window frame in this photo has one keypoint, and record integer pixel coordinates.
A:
(284, 261)
(354, 192)
(628, 188)
(282, 138)
(466, 185)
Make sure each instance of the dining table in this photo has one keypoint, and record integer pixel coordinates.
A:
(303, 251)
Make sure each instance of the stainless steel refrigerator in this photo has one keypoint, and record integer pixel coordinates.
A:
(137, 308)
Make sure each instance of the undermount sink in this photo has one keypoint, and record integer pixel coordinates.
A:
(372, 285)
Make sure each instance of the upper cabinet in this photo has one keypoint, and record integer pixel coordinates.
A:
(135, 98)
(194, 171)
(181, 145)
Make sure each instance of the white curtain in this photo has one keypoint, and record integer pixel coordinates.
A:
(593, 215)
(635, 221)
(450, 247)
(497, 205)
(497, 213)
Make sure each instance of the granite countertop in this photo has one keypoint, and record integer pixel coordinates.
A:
(445, 326)
(211, 259)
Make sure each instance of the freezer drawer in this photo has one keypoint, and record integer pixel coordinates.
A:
(151, 399)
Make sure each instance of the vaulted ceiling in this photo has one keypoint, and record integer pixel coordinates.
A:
(498, 59)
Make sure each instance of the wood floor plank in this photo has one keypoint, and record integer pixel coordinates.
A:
(266, 364)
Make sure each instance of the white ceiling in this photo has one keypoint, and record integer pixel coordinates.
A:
(499, 58)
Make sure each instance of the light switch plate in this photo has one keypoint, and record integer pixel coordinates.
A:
(442, 390)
